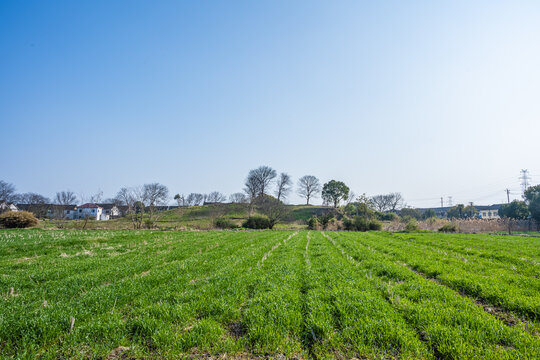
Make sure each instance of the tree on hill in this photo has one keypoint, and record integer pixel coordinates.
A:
(283, 189)
(261, 177)
(194, 199)
(216, 197)
(308, 187)
(381, 202)
(532, 198)
(180, 199)
(238, 198)
(154, 194)
(274, 209)
(335, 191)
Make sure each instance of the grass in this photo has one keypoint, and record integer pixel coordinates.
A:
(264, 294)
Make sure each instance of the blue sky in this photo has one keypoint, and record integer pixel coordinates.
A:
(426, 98)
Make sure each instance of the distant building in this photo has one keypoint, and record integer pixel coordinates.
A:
(56, 211)
(484, 211)
(5, 206)
(111, 211)
(90, 211)
(489, 212)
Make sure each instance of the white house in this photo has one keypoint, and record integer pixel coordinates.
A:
(5, 206)
(111, 210)
(489, 212)
(90, 211)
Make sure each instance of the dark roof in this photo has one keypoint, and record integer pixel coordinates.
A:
(107, 206)
(488, 207)
(56, 206)
(88, 206)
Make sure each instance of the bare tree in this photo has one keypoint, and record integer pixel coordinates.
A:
(7, 191)
(65, 198)
(132, 198)
(154, 194)
(262, 176)
(238, 198)
(96, 198)
(124, 197)
(381, 202)
(198, 199)
(216, 197)
(352, 196)
(252, 188)
(308, 187)
(284, 184)
(180, 199)
(396, 201)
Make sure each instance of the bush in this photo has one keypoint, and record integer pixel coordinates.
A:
(313, 223)
(389, 216)
(412, 225)
(326, 219)
(224, 223)
(375, 225)
(360, 223)
(149, 223)
(18, 219)
(449, 228)
(257, 222)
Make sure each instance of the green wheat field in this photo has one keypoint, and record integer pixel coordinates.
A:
(71, 294)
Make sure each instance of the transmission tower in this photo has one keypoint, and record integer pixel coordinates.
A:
(524, 180)
(450, 201)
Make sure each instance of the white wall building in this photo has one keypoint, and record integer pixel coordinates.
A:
(90, 211)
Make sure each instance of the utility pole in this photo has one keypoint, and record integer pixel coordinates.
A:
(508, 195)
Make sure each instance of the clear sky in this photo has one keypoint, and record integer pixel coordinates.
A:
(428, 98)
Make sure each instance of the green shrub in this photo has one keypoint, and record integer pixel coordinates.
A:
(388, 216)
(224, 223)
(375, 225)
(326, 219)
(18, 219)
(149, 223)
(257, 222)
(360, 223)
(313, 223)
(449, 228)
(412, 225)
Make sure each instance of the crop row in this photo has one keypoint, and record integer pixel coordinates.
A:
(453, 326)
(492, 281)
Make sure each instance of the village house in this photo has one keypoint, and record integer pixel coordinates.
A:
(60, 211)
(489, 212)
(90, 211)
(5, 206)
